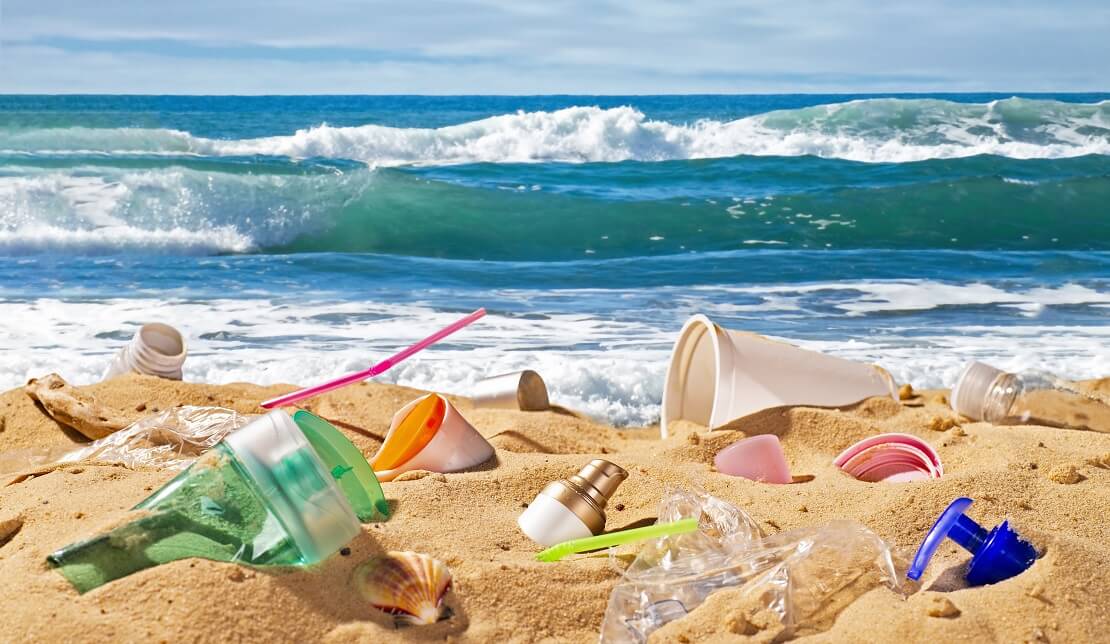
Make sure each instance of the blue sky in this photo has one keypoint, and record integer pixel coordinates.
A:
(541, 47)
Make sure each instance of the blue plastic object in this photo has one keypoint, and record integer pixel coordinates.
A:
(996, 555)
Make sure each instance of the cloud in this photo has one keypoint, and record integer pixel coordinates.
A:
(608, 46)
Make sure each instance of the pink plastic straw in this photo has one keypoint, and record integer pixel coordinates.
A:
(381, 367)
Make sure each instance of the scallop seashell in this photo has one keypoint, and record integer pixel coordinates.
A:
(409, 585)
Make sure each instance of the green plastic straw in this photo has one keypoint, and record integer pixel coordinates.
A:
(557, 552)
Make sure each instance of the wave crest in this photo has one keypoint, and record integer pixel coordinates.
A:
(869, 130)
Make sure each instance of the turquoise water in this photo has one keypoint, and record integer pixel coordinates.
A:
(293, 238)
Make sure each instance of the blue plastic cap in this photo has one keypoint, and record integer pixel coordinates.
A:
(996, 555)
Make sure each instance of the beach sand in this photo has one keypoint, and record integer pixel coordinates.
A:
(1054, 485)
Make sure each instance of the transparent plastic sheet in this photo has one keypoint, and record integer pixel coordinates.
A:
(170, 440)
(787, 585)
(722, 528)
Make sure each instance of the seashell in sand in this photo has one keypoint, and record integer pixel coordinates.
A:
(409, 585)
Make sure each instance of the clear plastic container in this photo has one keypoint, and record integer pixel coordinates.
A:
(1029, 397)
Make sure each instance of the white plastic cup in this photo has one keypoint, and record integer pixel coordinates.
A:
(156, 350)
(717, 375)
(523, 390)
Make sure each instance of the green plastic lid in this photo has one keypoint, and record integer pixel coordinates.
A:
(348, 467)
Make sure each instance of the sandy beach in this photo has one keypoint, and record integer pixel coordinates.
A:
(1053, 484)
(532, 322)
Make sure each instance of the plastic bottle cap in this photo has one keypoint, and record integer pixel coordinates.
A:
(970, 392)
(996, 555)
(758, 458)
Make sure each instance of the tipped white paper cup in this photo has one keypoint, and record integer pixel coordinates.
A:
(717, 375)
(523, 390)
(156, 350)
(455, 446)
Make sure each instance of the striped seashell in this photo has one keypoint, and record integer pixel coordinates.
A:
(408, 585)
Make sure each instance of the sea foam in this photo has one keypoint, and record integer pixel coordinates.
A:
(609, 364)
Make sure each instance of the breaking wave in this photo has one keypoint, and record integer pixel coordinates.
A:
(474, 212)
(869, 130)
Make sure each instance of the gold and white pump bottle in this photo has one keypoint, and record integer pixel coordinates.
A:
(574, 507)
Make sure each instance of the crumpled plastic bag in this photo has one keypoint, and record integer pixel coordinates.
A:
(722, 528)
(170, 440)
(783, 586)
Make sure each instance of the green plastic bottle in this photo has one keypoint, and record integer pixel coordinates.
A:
(282, 491)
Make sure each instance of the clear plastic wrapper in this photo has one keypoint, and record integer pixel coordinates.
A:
(170, 440)
(787, 585)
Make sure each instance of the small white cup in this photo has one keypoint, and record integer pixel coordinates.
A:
(523, 390)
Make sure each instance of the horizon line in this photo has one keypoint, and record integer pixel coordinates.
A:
(1013, 93)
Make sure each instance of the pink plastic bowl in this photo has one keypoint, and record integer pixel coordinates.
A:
(890, 458)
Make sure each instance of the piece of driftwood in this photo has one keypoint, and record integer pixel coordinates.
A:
(74, 409)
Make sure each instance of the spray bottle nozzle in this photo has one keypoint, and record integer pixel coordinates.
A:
(996, 554)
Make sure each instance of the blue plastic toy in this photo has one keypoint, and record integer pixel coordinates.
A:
(996, 555)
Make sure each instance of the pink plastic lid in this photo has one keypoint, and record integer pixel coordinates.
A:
(759, 458)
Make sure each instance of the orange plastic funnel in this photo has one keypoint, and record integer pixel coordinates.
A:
(416, 430)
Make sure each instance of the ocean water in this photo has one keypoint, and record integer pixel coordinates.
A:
(297, 238)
